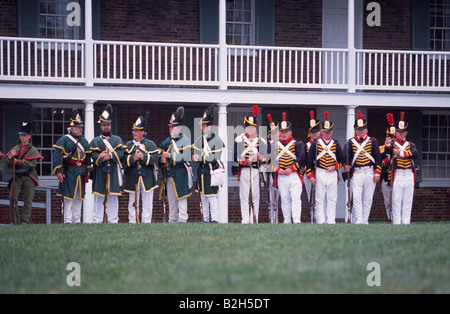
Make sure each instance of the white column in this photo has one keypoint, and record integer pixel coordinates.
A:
(222, 45)
(223, 192)
(88, 204)
(89, 48)
(351, 47)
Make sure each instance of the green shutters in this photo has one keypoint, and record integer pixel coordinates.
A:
(420, 25)
(28, 18)
(264, 22)
(209, 21)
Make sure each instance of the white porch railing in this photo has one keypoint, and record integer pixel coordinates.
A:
(135, 63)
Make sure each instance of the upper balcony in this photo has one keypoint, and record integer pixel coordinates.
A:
(100, 63)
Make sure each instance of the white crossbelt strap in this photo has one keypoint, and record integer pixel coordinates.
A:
(360, 149)
(285, 149)
(119, 165)
(76, 142)
(206, 148)
(251, 146)
(326, 149)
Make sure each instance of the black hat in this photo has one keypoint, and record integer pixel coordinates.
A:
(105, 117)
(75, 119)
(208, 116)
(360, 123)
(26, 128)
(285, 125)
(327, 124)
(177, 117)
(252, 120)
(314, 125)
(402, 124)
(141, 122)
(391, 129)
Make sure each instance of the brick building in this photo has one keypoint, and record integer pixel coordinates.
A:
(286, 56)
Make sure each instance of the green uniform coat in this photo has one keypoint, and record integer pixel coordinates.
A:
(103, 172)
(147, 165)
(174, 167)
(76, 167)
(216, 146)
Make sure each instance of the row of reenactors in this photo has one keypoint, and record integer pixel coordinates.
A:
(285, 164)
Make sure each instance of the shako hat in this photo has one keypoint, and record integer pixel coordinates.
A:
(251, 120)
(25, 128)
(75, 118)
(141, 122)
(177, 117)
(208, 116)
(327, 124)
(314, 125)
(390, 131)
(285, 125)
(361, 122)
(105, 117)
(401, 124)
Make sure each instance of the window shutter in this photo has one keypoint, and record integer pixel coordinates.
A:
(421, 25)
(209, 21)
(13, 116)
(28, 18)
(265, 23)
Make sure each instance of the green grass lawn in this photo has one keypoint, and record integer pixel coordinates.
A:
(225, 258)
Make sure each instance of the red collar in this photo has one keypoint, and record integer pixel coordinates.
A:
(359, 140)
(287, 141)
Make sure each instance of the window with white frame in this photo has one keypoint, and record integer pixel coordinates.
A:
(50, 123)
(440, 25)
(240, 27)
(436, 146)
(53, 19)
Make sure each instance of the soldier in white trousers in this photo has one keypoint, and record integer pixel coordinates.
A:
(403, 152)
(363, 164)
(249, 152)
(288, 173)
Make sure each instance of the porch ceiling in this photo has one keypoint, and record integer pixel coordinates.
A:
(186, 95)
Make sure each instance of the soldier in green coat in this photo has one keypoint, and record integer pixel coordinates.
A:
(175, 164)
(140, 157)
(71, 164)
(107, 151)
(207, 151)
(24, 158)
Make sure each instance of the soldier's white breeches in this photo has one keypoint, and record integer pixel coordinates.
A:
(112, 209)
(72, 210)
(210, 204)
(402, 196)
(290, 189)
(147, 205)
(326, 191)
(244, 194)
(363, 188)
(177, 208)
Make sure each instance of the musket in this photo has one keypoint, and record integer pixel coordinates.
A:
(105, 203)
(14, 189)
(136, 194)
(200, 199)
(162, 193)
(391, 180)
(349, 201)
(312, 196)
(253, 199)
